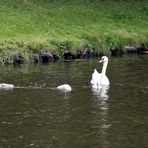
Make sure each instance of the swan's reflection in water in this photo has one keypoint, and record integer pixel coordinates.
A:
(101, 92)
(102, 116)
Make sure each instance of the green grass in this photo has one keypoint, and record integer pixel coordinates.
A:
(33, 25)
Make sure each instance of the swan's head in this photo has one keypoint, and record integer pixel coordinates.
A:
(103, 59)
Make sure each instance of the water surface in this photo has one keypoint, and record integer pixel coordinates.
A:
(35, 114)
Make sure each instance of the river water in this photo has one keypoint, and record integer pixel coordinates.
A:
(35, 114)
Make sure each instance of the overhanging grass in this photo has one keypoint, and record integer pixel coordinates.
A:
(38, 24)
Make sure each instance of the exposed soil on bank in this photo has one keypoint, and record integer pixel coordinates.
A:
(46, 56)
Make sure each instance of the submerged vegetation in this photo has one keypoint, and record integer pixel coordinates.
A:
(30, 26)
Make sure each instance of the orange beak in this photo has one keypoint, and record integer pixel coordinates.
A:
(101, 61)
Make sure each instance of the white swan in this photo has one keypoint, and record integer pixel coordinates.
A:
(100, 79)
(5, 86)
(65, 88)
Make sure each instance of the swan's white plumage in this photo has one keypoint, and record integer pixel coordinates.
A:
(6, 86)
(96, 79)
(65, 88)
(100, 79)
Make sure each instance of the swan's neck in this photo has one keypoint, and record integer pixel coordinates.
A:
(104, 68)
(103, 71)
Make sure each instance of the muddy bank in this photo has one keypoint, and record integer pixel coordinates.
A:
(46, 56)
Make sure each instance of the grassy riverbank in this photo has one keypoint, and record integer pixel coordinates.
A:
(29, 26)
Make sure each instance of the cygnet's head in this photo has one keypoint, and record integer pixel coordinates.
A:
(103, 59)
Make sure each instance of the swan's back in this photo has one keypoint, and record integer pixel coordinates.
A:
(65, 88)
(96, 79)
(6, 86)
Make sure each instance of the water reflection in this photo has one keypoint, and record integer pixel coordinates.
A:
(101, 92)
(36, 114)
(102, 104)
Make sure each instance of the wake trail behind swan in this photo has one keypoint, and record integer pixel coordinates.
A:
(35, 87)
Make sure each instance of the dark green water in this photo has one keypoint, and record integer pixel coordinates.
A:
(36, 115)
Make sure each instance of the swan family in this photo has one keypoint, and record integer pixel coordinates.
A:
(98, 79)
